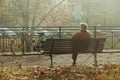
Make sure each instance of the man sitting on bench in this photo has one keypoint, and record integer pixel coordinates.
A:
(83, 34)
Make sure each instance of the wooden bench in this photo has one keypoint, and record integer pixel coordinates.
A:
(67, 46)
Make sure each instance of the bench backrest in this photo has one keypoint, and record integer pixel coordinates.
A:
(64, 46)
(96, 45)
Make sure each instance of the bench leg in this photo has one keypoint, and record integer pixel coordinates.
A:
(51, 59)
(95, 59)
(74, 58)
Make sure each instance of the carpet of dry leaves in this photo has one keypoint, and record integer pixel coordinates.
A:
(36, 67)
(103, 72)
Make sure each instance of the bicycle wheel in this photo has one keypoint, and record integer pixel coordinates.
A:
(18, 46)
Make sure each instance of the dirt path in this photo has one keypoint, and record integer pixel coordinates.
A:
(83, 59)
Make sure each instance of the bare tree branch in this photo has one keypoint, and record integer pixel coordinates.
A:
(50, 12)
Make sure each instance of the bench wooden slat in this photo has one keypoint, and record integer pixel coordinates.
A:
(62, 46)
(101, 43)
(66, 45)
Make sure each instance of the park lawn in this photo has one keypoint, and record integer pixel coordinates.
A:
(79, 72)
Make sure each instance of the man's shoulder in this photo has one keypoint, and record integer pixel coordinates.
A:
(88, 32)
(83, 33)
(78, 33)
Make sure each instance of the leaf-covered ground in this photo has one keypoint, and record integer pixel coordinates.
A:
(103, 72)
(20, 67)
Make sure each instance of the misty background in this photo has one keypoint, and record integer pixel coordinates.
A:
(59, 12)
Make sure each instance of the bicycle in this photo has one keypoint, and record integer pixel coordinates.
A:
(24, 44)
(40, 43)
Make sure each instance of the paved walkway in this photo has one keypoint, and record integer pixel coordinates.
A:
(65, 59)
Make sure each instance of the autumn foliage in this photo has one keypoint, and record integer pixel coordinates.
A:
(104, 72)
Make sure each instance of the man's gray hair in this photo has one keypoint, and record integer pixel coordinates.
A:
(83, 23)
(83, 26)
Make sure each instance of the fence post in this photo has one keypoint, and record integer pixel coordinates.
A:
(94, 31)
(59, 32)
(112, 40)
(3, 36)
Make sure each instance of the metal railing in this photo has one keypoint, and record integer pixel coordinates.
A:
(8, 34)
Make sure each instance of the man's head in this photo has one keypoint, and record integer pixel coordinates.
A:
(83, 26)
